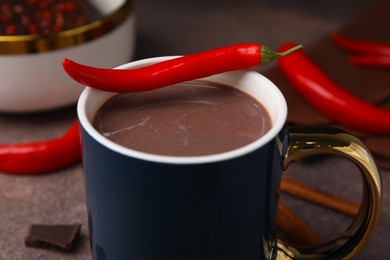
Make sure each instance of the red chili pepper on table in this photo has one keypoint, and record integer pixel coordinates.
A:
(376, 61)
(41, 156)
(374, 54)
(361, 46)
(330, 98)
(234, 57)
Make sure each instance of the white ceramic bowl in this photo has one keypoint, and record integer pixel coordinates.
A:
(31, 75)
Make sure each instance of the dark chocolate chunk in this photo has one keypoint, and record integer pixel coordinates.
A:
(60, 237)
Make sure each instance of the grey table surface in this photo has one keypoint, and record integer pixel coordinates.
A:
(173, 28)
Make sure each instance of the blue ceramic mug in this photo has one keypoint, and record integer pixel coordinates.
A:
(224, 206)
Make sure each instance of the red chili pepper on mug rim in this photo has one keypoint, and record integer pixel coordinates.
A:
(234, 57)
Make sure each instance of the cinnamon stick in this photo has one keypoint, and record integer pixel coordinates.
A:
(304, 191)
(299, 232)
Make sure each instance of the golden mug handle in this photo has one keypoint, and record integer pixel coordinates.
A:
(306, 142)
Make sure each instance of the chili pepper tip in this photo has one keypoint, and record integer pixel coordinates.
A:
(268, 55)
(72, 68)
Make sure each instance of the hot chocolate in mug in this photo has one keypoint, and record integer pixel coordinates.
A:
(146, 206)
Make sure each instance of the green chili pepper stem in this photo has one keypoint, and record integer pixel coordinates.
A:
(268, 55)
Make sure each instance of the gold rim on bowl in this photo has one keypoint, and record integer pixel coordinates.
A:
(22, 44)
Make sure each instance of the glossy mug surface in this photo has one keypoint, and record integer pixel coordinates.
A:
(220, 206)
